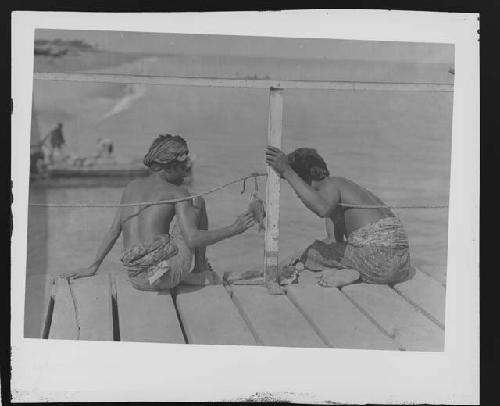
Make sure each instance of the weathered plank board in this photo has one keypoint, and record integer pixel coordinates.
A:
(146, 316)
(406, 325)
(436, 272)
(93, 303)
(340, 323)
(36, 305)
(64, 324)
(250, 83)
(425, 293)
(209, 316)
(271, 251)
(274, 319)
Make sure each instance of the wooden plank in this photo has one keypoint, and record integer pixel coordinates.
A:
(337, 320)
(437, 273)
(274, 319)
(209, 316)
(242, 83)
(64, 324)
(407, 326)
(146, 316)
(93, 303)
(49, 308)
(36, 308)
(426, 294)
(275, 125)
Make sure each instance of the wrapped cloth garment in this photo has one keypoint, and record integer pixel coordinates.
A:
(378, 251)
(159, 264)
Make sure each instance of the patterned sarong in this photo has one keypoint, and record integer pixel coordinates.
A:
(378, 251)
(159, 264)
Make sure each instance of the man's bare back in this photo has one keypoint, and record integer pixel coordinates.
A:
(347, 219)
(142, 223)
(143, 226)
(330, 197)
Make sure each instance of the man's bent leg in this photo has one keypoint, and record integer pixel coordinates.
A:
(202, 273)
(201, 278)
(286, 266)
(337, 278)
(330, 228)
(200, 259)
(232, 276)
(258, 271)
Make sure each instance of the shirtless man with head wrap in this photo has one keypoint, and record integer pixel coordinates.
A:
(160, 241)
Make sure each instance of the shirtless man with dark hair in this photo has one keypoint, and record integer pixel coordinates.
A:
(159, 241)
(367, 244)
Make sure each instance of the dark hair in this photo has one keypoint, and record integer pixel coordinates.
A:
(308, 164)
(164, 151)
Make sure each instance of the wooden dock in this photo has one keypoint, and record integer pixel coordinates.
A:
(408, 316)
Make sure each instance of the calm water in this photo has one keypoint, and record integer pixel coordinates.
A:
(397, 144)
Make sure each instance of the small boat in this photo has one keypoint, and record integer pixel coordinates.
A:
(98, 171)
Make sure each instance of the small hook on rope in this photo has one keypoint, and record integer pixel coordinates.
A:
(244, 186)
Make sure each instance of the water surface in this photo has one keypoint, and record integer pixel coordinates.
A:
(397, 144)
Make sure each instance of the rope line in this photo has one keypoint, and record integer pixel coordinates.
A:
(253, 175)
(181, 199)
(375, 206)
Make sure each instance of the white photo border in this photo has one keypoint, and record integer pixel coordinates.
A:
(46, 370)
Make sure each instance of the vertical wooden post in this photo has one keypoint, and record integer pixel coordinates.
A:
(275, 125)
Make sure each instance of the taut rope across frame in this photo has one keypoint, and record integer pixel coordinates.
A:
(274, 136)
(243, 179)
(254, 175)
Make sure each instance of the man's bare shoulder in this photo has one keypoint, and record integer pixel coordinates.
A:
(340, 183)
(172, 192)
(133, 184)
(338, 180)
(132, 188)
(153, 190)
(175, 191)
(332, 183)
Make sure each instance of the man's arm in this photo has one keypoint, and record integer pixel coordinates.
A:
(339, 232)
(107, 243)
(339, 235)
(321, 202)
(334, 230)
(195, 237)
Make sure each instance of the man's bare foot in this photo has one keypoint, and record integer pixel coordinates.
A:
(332, 278)
(202, 276)
(216, 279)
(204, 266)
(232, 276)
(288, 275)
(202, 279)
